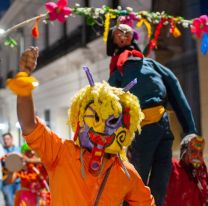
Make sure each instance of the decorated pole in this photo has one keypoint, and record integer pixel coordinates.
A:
(20, 25)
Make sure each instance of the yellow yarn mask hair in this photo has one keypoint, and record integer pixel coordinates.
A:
(107, 101)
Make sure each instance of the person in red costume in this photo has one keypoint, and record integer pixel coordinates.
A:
(188, 184)
(34, 186)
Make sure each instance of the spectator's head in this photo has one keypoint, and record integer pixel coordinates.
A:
(7, 139)
(192, 151)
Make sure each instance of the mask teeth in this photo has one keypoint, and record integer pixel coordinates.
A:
(89, 76)
(130, 85)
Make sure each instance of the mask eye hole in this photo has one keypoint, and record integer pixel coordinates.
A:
(96, 117)
(113, 121)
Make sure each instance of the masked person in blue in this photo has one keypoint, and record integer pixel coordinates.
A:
(157, 86)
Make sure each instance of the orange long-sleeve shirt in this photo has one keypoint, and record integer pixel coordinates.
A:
(69, 188)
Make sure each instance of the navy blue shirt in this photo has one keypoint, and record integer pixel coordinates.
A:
(157, 85)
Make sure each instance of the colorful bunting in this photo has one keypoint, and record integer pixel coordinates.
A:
(199, 26)
(58, 11)
(102, 16)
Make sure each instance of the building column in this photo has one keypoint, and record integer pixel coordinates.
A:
(203, 86)
(59, 125)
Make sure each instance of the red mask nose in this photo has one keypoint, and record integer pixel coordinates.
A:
(97, 158)
(100, 141)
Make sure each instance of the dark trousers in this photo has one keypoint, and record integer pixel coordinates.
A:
(151, 155)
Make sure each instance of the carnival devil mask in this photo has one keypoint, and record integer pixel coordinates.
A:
(104, 119)
(193, 152)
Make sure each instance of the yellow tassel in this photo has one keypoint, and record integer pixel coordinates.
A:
(107, 26)
(176, 32)
(149, 29)
(22, 84)
(140, 22)
(148, 26)
(108, 17)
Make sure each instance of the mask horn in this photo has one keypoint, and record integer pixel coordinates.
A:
(130, 85)
(89, 76)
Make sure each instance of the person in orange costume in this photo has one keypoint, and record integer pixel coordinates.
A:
(89, 170)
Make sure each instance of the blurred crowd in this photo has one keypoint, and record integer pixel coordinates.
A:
(23, 178)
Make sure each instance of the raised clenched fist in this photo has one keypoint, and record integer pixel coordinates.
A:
(28, 60)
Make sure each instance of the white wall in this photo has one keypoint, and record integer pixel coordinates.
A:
(60, 79)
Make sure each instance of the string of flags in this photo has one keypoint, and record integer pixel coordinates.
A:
(154, 22)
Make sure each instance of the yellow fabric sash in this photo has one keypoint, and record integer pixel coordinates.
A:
(152, 115)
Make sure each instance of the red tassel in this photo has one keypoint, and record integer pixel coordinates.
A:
(35, 30)
(153, 42)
